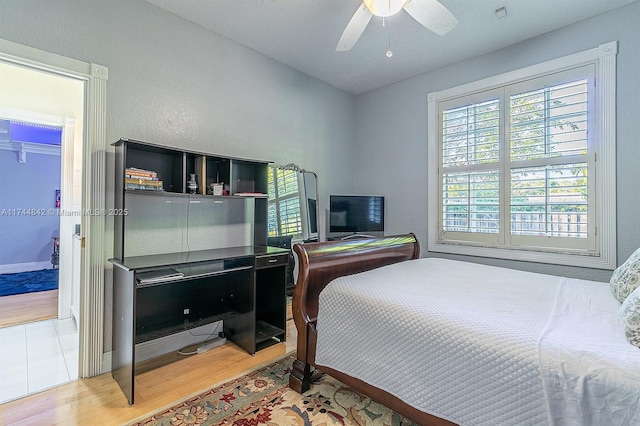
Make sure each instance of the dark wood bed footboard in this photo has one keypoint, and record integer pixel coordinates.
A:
(319, 264)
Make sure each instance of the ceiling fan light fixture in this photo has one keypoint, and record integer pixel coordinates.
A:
(430, 13)
(384, 8)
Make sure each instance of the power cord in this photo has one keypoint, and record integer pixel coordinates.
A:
(204, 334)
(204, 342)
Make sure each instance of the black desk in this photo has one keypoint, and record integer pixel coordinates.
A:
(159, 295)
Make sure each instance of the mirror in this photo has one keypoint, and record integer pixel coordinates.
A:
(293, 205)
(292, 212)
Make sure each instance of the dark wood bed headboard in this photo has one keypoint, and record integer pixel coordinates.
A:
(320, 263)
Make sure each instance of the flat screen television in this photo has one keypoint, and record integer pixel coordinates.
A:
(358, 214)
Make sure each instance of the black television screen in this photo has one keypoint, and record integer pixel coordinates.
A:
(356, 213)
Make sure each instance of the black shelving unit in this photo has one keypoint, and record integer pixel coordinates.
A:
(242, 286)
(173, 168)
(270, 314)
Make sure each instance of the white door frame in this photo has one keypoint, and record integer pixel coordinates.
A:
(92, 263)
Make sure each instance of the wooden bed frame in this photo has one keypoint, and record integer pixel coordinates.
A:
(318, 264)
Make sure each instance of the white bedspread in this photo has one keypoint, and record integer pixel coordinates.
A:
(591, 374)
(477, 344)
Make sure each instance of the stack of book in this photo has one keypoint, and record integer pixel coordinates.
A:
(142, 179)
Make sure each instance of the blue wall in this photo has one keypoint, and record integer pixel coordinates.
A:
(29, 185)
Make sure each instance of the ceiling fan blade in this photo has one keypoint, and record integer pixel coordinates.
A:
(354, 29)
(432, 14)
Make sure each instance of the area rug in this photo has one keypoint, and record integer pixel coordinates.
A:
(28, 282)
(263, 397)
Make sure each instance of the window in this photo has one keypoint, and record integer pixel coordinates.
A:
(522, 165)
(284, 216)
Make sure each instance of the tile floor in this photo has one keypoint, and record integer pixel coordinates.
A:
(37, 356)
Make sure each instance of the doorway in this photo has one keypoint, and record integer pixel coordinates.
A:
(42, 148)
(41, 140)
(92, 360)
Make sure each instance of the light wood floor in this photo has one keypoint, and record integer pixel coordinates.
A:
(99, 401)
(28, 307)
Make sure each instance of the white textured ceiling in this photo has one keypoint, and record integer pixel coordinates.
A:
(303, 33)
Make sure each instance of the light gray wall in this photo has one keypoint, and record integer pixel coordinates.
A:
(32, 185)
(174, 83)
(391, 130)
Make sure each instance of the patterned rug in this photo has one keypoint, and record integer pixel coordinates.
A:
(263, 397)
(28, 282)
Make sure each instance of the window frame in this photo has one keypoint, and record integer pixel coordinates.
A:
(602, 253)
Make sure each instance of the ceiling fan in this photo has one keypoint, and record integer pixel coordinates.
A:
(430, 13)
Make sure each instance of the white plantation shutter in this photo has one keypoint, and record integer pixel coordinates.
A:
(549, 122)
(287, 183)
(470, 202)
(550, 201)
(272, 219)
(522, 165)
(549, 161)
(284, 216)
(470, 179)
(290, 219)
(515, 164)
(470, 134)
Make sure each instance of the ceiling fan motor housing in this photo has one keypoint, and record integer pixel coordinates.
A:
(384, 8)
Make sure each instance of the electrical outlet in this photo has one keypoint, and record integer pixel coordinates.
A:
(185, 311)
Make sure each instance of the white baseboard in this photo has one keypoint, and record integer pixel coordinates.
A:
(163, 345)
(75, 315)
(13, 268)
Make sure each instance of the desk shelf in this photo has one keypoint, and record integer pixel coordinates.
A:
(166, 328)
(267, 335)
(265, 331)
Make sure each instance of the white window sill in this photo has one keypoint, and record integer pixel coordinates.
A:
(580, 260)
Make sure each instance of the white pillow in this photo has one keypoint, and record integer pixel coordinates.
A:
(630, 316)
(626, 278)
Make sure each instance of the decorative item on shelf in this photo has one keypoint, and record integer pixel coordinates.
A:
(217, 188)
(192, 186)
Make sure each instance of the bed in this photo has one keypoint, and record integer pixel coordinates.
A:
(446, 342)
